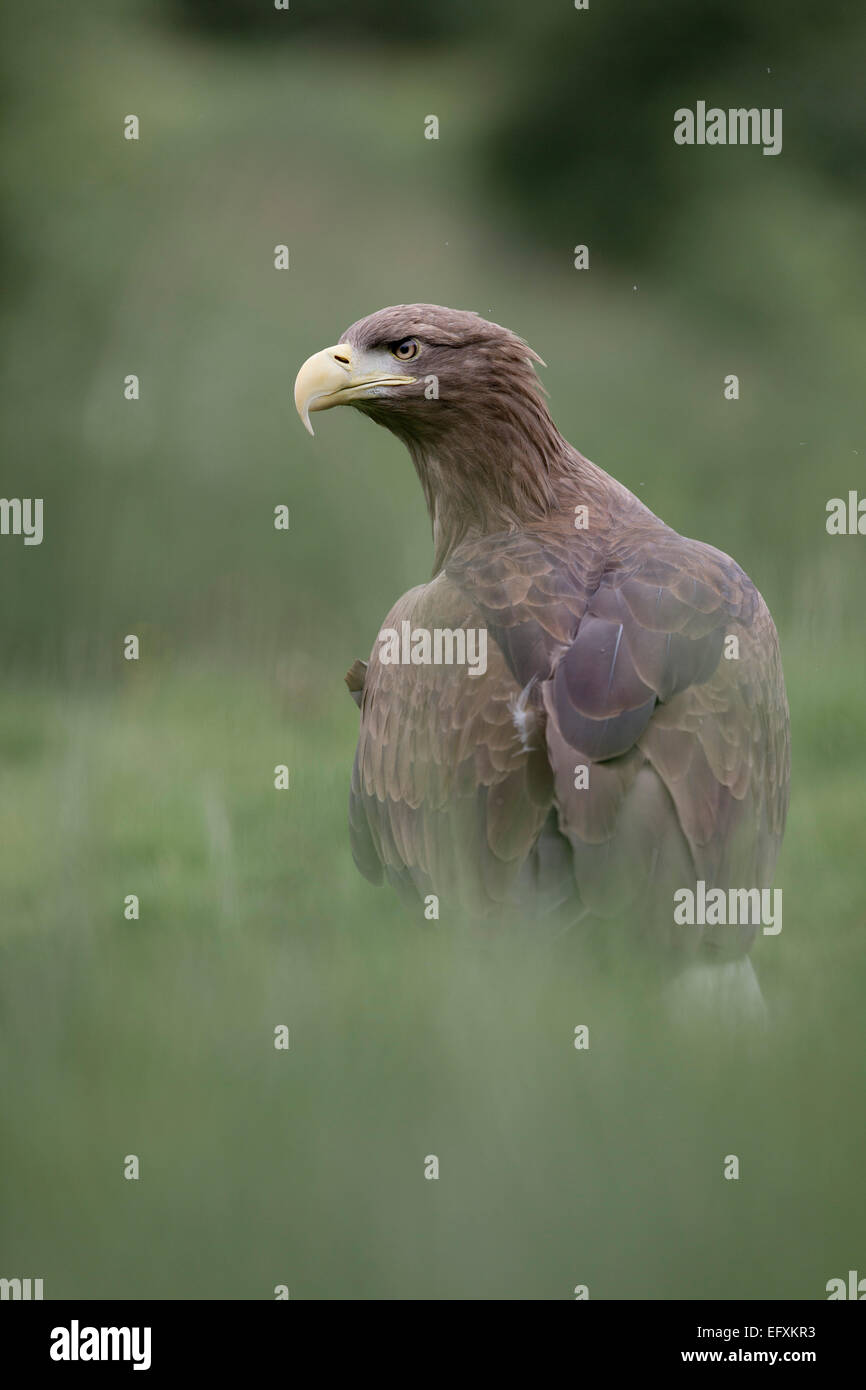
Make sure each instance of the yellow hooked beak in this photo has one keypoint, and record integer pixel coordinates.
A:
(340, 374)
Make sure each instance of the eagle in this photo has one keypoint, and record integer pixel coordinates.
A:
(628, 736)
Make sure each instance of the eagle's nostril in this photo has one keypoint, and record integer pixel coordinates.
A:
(338, 358)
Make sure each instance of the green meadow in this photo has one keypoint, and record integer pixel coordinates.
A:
(155, 1037)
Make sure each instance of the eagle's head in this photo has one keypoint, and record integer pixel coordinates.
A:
(419, 368)
(463, 396)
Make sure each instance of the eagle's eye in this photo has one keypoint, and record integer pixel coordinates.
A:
(405, 351)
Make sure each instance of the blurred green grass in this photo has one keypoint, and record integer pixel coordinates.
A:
(262, 1167)
(155, 1037)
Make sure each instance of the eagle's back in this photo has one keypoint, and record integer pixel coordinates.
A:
(621, 648)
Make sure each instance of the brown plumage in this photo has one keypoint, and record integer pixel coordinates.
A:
(605, 649)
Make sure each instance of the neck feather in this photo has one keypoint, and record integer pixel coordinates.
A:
(496, 472)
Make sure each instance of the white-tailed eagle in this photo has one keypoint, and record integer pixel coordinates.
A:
(628, 736)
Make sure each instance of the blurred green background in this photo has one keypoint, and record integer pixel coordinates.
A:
(155, 1037)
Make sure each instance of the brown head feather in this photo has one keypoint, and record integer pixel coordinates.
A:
(486, 450)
